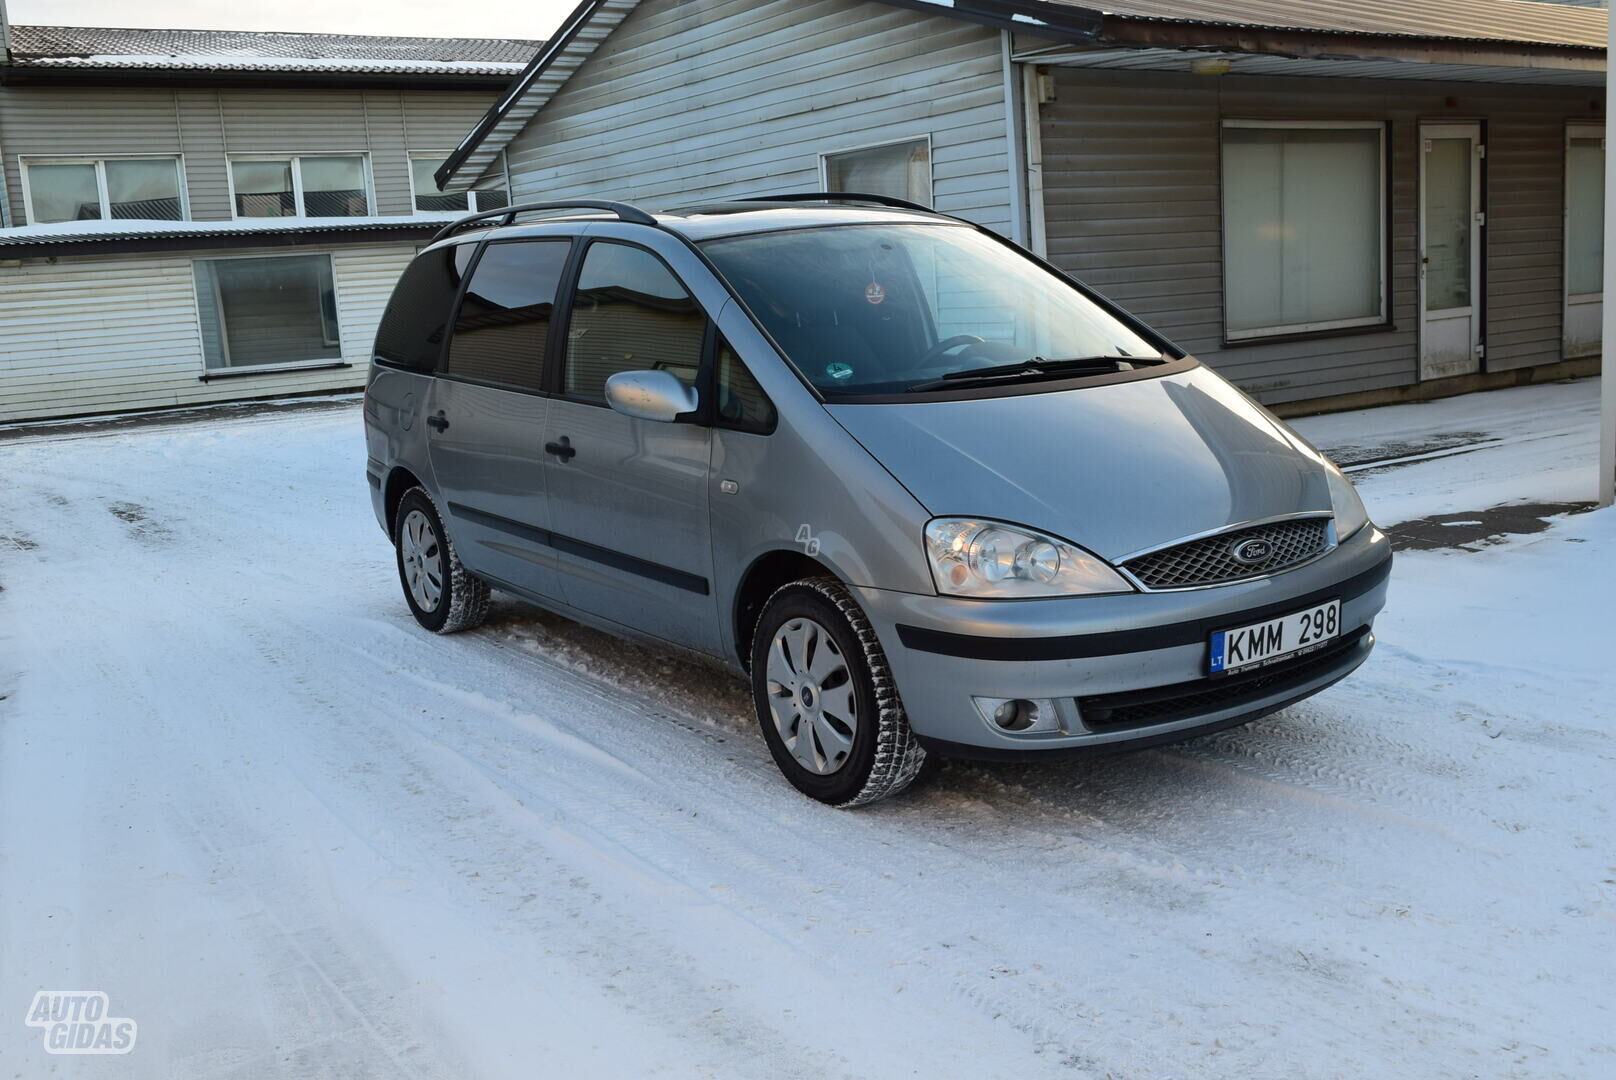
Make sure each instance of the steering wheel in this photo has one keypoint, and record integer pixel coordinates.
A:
(936, 352)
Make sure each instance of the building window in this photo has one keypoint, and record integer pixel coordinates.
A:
(899, 170)
(1304, 226)
(93, 189)
(308, 185)
(279, 311)
(1585, 212)
(428, 199)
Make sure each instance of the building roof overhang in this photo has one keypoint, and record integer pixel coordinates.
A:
(238, 78)
(72, 238)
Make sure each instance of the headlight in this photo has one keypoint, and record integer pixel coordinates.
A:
(987, 560)
(1350, 515)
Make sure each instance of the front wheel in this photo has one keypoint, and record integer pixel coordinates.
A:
(443, 595)
(826, 700)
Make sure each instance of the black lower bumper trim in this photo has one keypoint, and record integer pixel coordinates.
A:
(1181, 701)
(1145, 639)
(1345, 664)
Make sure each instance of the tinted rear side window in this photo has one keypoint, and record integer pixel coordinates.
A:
(631, 314)
(412, 331)
(503, 326)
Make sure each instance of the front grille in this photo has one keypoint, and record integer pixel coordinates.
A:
(1183, 701)
(1211, 561)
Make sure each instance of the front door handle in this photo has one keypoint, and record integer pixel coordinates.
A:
(562, 449)
(439, 422)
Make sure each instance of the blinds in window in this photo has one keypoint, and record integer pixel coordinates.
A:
(1303, 231)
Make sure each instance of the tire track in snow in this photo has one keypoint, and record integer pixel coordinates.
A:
(556, 821)
(352, 1018)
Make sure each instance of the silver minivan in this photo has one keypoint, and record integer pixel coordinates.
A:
(930, 495)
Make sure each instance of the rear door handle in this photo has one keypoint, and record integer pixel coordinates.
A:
(562, 449)
(439, 422)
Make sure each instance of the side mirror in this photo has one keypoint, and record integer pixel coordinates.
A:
(651, 395)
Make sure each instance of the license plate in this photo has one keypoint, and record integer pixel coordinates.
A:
(1264, 643)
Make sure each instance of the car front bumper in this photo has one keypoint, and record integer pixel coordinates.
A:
(1123, 671)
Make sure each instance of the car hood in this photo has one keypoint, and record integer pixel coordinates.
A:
(1115, 468)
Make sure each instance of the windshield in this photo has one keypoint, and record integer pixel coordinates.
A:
(894, 309)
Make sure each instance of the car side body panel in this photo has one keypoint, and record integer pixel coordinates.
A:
(395, 404)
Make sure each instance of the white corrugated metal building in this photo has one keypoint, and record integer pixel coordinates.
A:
(199, 216)
(1333, 203)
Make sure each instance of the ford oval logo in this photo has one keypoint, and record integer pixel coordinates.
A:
(1252, 552)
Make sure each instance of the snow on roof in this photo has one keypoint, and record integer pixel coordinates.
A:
(66, 232)
(1466, 20)
(242, 50)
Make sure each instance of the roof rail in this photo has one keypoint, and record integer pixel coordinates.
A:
(841, 197)
(507, 214)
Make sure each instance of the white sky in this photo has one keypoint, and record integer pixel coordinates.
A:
(488, 18)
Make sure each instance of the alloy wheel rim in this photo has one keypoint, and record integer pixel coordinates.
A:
(811, 697)
(422, 557)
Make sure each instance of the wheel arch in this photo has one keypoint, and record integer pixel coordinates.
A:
(399, 481)
(768, 572)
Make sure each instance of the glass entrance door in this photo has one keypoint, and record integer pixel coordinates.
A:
(1584, 239)
(1450, 250)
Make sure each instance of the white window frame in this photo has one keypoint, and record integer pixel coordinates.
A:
(1576, 129)
(931, 171)
(471, 196)
(1383, 318)
(341, 360)
(26, 162)
(297, 179)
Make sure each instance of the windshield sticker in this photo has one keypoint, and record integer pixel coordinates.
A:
(875, 292)
(839, 372)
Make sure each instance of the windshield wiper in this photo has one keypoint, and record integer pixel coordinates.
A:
(1035, 368)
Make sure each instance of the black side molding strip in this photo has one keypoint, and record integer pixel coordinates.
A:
(504, 525)
(1080, 646)
(667, 575)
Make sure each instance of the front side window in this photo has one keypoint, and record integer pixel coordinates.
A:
(742, 403)
(1304, 227)
(428, 199)
(630, 314)
(310, 185)
(894, 309)
(104, 188)
(899, 170)
(267, 312)
(503, 327)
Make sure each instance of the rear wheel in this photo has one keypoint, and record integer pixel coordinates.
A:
(826, 700)
(443, 595)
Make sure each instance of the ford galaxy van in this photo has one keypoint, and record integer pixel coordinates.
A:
(927, 493)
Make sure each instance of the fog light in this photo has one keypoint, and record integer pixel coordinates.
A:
(1020, 716)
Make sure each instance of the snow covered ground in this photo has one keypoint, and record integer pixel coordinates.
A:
(291, 835)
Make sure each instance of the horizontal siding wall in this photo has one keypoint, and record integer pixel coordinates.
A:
(206, 125)
(1132, 200)
(106, 334)
(691, 100)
